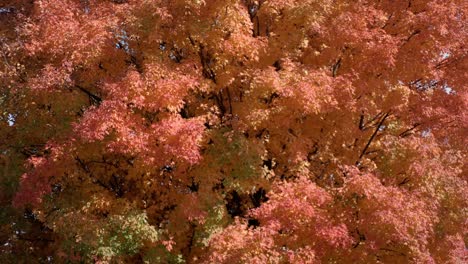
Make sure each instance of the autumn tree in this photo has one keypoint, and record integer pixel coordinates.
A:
(314, 131)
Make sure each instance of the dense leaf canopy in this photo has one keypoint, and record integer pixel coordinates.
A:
(234, 131)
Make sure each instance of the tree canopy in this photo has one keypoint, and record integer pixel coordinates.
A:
(234, 131)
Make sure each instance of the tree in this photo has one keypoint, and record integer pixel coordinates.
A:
(311, 131)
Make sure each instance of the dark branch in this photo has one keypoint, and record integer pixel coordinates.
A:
(408, 131)
(405, 180)
(372, 137)
(220, 102)
(361, 122)
(94, 99)
(336, 67)
(229, 99)
(364, 125)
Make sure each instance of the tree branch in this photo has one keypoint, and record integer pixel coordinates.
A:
(94, 99)
(372, 137)
(409, 130)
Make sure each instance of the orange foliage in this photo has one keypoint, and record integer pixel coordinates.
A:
(242, 131)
